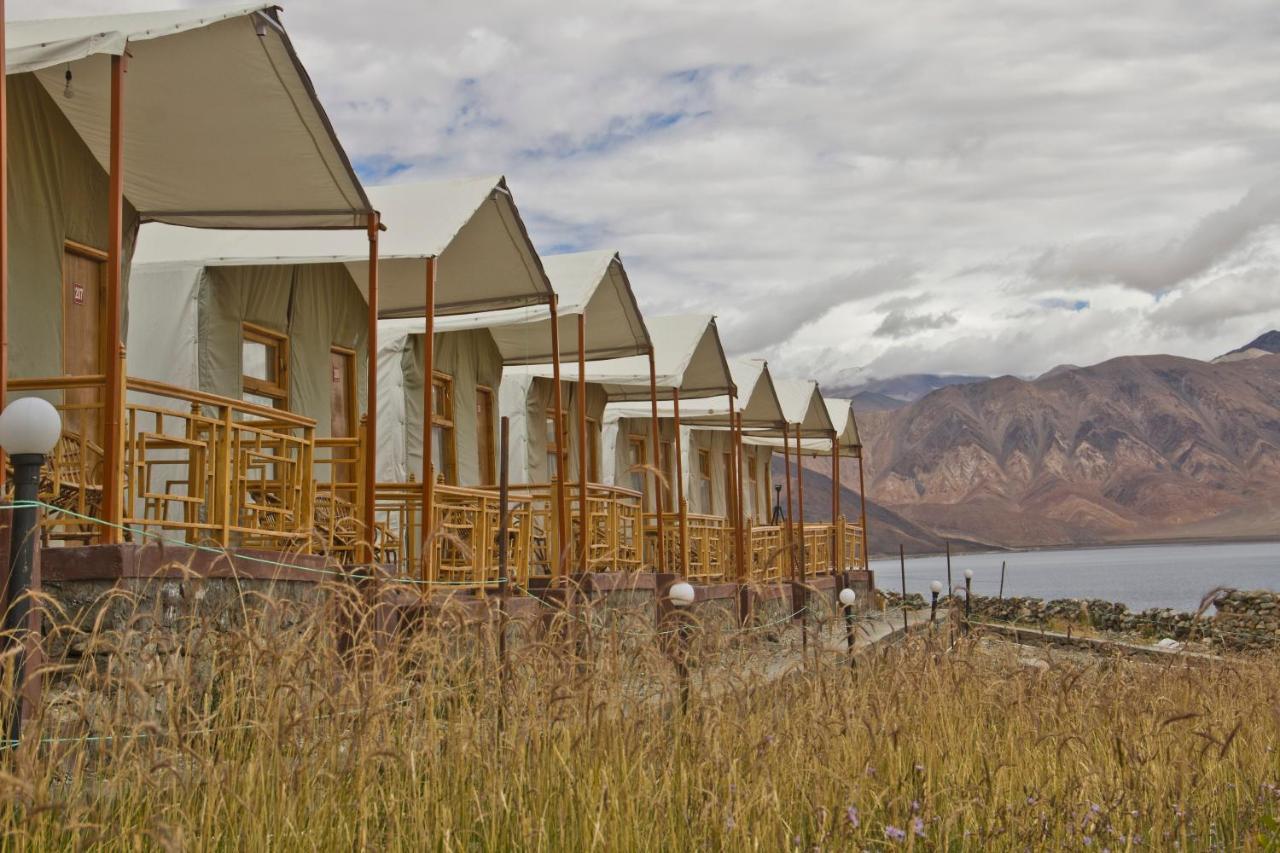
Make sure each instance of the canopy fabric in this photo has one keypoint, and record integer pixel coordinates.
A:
(221, 128)
(841, 412)
(486, 260)
(760, 410)
(687, 356)
(803, 406)
(589, 284)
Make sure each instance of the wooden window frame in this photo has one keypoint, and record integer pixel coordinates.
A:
(353, 417)
(704, 478)
(753, 477)
(443, 396)
(487, 430)
(279, 390)
(634, 441)
(548, 429)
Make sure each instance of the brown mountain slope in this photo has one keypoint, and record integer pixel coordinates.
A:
(1135, 447)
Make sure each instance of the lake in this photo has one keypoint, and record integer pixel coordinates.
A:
(1141, 576)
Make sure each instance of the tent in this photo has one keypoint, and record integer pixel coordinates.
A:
(215, 124)
(706, 430)
(479, 350)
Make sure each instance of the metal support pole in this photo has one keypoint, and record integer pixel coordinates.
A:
(369, 464)
(428, 415)
(659, 471)
(504, 575)
(804, 590)
(4, 239)
(113, 462)
(22, 545)
(732, 505)
(788, 541)
(837, 534)
(557, 423)
(902, 562)
(862, 509)
(584, 529)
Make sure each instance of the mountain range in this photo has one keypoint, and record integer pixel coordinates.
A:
(1134, 448)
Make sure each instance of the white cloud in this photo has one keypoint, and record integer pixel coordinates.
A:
(795, 168)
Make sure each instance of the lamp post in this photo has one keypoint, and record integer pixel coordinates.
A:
(935, 588)
(968, 596)
(848, 598)
(29, 429)
(682, 595)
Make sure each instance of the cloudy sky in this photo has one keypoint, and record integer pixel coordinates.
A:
(855, 189)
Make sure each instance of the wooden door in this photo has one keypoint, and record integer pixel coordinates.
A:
(485, 443)
(342, 404)
(83, 316)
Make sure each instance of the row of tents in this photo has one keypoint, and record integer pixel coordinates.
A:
(249, 347)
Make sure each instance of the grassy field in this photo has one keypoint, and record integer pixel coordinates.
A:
(262, 737)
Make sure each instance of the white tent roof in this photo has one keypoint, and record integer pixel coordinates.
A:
(592, 284)
(840, 412)
(221, 126)
(752, 376)
(803, 406)
(486, 259)
(687, 355)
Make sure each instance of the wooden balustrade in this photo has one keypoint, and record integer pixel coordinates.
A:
(767, 556)
(464, 535)
(614, 520)
(194, 466)
(709, 546)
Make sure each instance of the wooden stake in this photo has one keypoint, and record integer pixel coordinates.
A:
(789, 539)
(732, 504)
(657, 462)
(369, 463)
(680, 499)
(862, 508)
(837, 533)
(1002, 565)
(113, 351)
(428, 416)
(557, 419)
(902, 562)
(584, 533)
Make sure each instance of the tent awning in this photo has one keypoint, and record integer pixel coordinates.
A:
(486, 259)
(221, 125)
(590, 284)
(841, 413)
(803, 407)
(760, 410)
(687, 356)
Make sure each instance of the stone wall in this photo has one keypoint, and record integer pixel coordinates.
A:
(1240, 621)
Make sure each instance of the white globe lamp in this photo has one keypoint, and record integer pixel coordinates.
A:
(681, 594)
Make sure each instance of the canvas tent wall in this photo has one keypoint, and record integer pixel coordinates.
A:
(194, 317)
(471, 362)
(528, 401)
(708, 440)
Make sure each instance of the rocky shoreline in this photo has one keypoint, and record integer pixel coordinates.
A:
(1240, 620)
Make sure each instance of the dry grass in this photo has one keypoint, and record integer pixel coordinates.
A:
(266, 733)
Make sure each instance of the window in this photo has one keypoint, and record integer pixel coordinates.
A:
(729, 497)
(442, 430)
(704, 480)
(551, 443)
(593, 450)
(637, 459)
(755, 502)
(264, 357)
(485, 444)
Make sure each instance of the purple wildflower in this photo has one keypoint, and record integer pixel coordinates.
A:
(851, 814)
(1087, 841)
(894, 834)
(915, 806)
(917, 826)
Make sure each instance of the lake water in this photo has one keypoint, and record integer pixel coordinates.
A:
(1141, 576)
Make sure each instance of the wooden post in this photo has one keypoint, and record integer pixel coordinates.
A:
(862, 503)
(369, 464)
(732, 504)
(113, 456)
(744, 551)
(658, 467)
(584, 534)
(800, 507)
(4, 239)
(681, 504)
(557, 417)
(428, 414)
(788, 540)
(837, 528)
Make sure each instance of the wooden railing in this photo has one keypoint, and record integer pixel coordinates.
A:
(767, 556)
(465, 530)
(614, 528)
(194, 466)
(709, 555)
